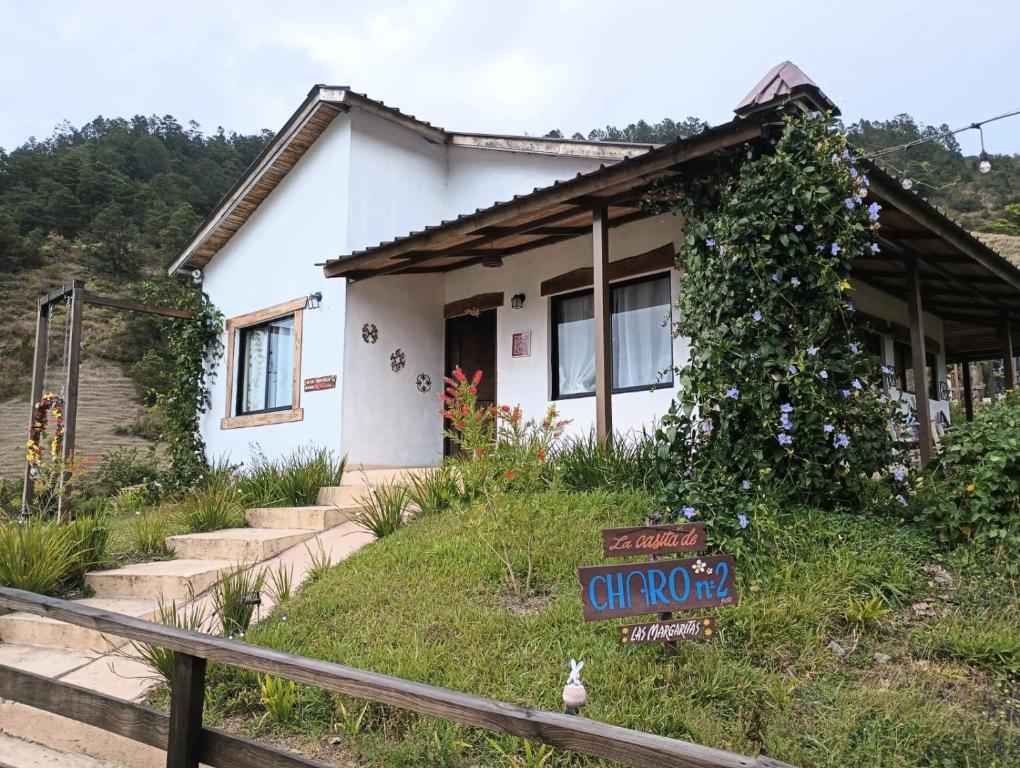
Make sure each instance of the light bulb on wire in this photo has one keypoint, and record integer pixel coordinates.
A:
(984, 164)
(905, 181)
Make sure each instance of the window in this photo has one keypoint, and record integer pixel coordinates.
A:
(905, 371)
(266, 371)
(642, 338)
(264, 366)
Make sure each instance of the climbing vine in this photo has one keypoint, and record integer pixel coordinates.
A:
(780, 398)
(192, 348)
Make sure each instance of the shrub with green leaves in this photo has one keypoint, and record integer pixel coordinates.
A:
(292, 481)
(779, 393)
(36, 555)
(235, 596)
(982, 468)
(587, 463)
(120, 468)
(383, 511)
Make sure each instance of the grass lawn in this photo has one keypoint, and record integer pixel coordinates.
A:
(430, 603)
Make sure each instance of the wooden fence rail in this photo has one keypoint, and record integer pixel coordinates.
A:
(187, 742)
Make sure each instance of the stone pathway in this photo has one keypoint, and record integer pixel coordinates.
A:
(288, 537)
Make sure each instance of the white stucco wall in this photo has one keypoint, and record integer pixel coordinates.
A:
(387, 420)
(270, 260)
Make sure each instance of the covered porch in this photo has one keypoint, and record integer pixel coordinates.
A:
(960, 300)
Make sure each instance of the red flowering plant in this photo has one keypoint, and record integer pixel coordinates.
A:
(496, 444)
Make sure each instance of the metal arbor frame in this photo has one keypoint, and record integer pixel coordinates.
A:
(78, 297)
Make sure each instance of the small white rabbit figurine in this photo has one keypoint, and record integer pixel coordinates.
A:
(574, 693)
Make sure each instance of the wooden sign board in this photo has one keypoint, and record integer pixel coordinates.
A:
(700, 628)
(320, 382)
(632, 589)
(653, 540)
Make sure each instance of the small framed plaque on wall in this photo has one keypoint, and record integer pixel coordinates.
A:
(521, 344)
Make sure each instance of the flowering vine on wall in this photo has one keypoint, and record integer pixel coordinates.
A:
(779, 398)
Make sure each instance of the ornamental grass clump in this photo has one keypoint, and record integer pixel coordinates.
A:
(779, 399)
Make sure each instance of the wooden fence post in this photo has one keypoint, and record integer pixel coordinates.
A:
(42, 351)
(187, 697)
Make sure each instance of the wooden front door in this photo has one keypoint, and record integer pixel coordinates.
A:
(471, 344)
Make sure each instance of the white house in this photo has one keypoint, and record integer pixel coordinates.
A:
(366, 252)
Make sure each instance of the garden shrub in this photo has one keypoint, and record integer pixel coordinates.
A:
(292, 481)
(587, 463)
(119, 469)
(48, 557)
(779, 399)
(981, 466)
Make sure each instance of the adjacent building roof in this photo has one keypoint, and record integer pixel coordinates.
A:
(310, 120)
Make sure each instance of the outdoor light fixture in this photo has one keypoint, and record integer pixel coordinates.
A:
(493, 260)
(314, 299)
(905, 181)
(517, 300)
(196, 276)
(984, 164)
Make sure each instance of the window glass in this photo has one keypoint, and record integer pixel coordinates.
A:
(267, 366)
(642, 340)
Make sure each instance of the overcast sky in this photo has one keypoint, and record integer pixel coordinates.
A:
(510, 67)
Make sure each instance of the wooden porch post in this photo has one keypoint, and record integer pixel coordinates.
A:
(42, 350)
(968, 392)
(71, 387)
(603, 326)
(918, 360)
(1008, 364)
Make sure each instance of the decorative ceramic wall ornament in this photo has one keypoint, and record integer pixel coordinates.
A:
(397, 360)
(423, 382)
(369, 333)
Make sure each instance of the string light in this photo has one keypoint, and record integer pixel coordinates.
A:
(944, 134)
(984, 164)
(905, 181)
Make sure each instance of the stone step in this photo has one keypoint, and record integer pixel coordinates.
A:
(171, 579)
(380, 476)
(342, 495)
(240, 545)
(29, 629)
(317, 518)
(19, 753)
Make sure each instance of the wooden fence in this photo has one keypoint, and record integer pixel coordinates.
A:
(187, 742)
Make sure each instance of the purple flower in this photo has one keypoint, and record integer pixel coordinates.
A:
(865, 181)
(798, 227)
(900, 474)
(793, 369)
(786, 408)
(901, 500)
(689, 512)
(842, 440)
(849, 203)
(887, 370)
(845, 393)
(853, 348)
(812, 351)
(849, 307)
(784, 439)
(823, 373)
(794, 281)
(733, 393)
(785, 422)
(875, 248)
(742, 519)
(828, 429)
(746, 485)
(710, 242)
(873, 210)
(706, 426)
(853, 173)
(757, 315)
(856, 384)
(775, 277)
(835, 249)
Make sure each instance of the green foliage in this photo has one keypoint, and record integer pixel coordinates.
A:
(981, 466)
(120, 468)
(779, 394)
(531, 755)
(190, 615)
(863, 612)
(234, 598)
(191, 350)
(383, 511)
(280, 583)
(279, 697)
(587, 463)
(319, 563)
(88, 537)
(10, 496)
(212, 507)
(292, 481)
(36, 555)
(434, 490)
(149, 533)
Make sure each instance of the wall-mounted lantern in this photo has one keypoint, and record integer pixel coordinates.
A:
(517, 300)
(314, 300)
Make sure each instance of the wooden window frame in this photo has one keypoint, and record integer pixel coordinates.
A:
(554, 343)
(295, 307)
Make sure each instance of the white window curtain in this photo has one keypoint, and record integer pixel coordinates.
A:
(268, 366)
(575, 329)
(642, 344)
(642, 340)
